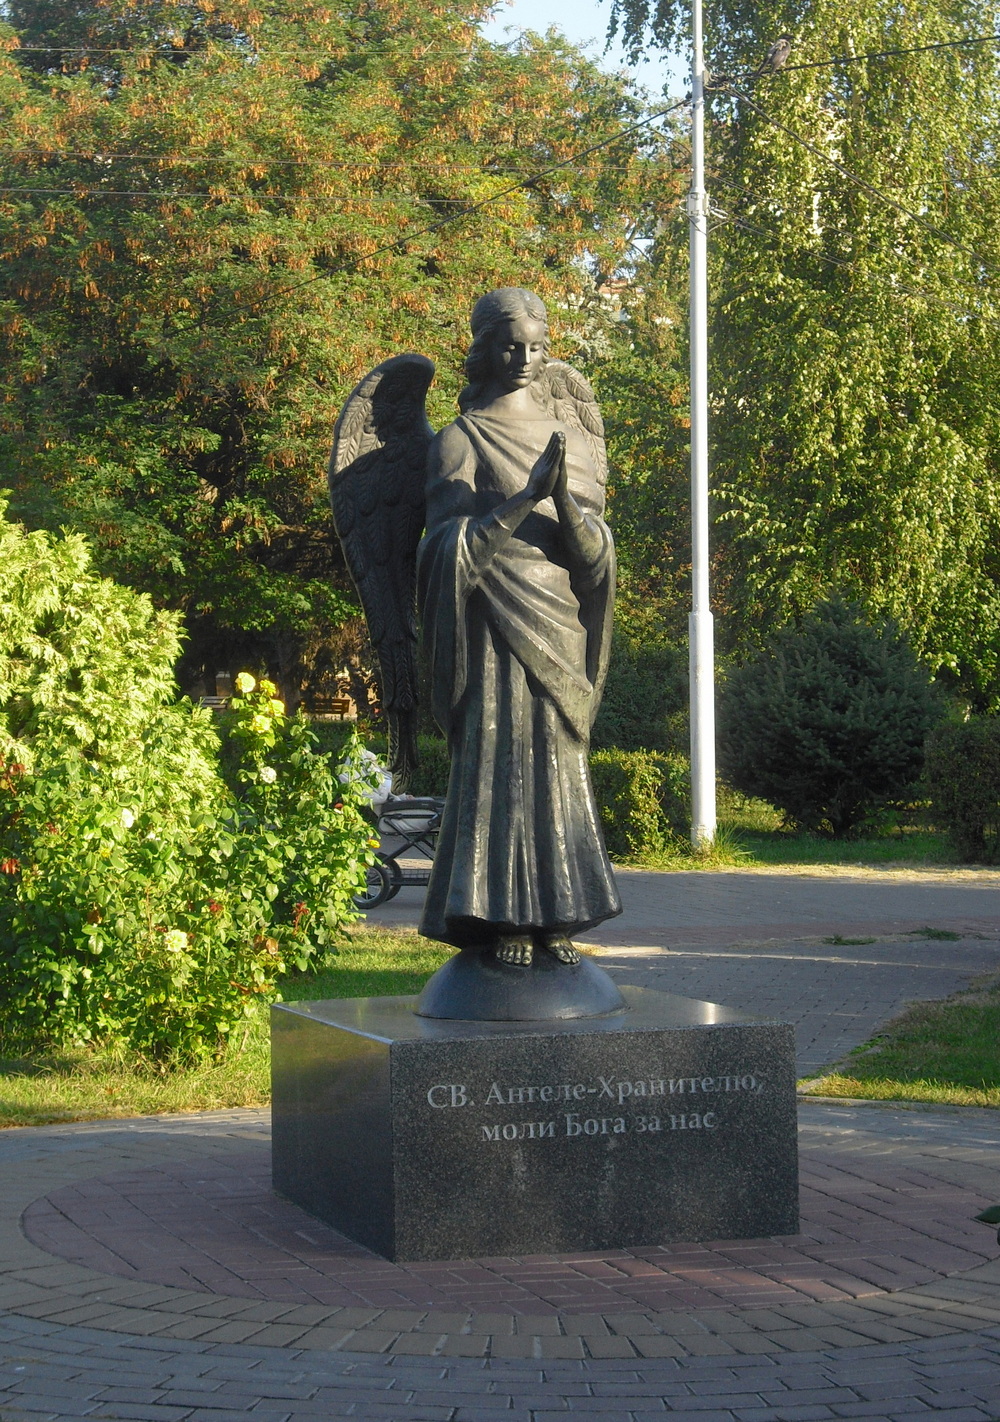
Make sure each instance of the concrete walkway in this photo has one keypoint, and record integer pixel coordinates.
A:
(147, 1272)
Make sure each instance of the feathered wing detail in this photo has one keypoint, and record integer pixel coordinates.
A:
(377, 475)
(573, 403)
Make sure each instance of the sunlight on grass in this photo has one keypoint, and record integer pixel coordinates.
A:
(87, 1085)
(935, 1093)
(940, 1052)
(751, 836)
(753, 829)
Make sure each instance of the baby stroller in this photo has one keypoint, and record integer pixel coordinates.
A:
(409, 828)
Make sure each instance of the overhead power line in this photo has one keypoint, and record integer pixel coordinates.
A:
(402, 241)
(357, 164)
(893, 289)
(181, 194)
(528, 181)
(891, 53)
(161, 49)
(349, 48)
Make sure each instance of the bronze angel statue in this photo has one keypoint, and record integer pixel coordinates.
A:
(514, 579)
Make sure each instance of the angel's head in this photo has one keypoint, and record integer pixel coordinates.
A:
(510, 342)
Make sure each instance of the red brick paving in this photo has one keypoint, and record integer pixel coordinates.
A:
(217, 1228)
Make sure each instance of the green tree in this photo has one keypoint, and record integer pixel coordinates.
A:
(214, 220)
(828, 722)
(856, 398)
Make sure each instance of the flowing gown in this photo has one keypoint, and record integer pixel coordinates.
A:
(518, 634)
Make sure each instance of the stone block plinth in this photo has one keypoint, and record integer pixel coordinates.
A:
(433, 1139)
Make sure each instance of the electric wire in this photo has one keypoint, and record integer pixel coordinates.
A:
(352, 165)
(362, 259)
(251, 195)
(739, 220)
(890, 53)
(355, 263)
(525, 182)
(160, 49)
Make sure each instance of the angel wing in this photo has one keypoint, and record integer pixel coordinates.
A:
(573, 403)
(377, 473)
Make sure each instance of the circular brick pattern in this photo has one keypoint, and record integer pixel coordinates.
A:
(215, 1226)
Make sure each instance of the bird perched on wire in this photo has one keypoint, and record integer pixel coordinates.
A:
(777, 56)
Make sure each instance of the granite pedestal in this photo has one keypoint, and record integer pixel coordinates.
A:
(435, 1139)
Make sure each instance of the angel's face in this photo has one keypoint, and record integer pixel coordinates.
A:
(518, 351)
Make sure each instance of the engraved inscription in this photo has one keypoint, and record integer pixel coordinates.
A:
(647, 1106)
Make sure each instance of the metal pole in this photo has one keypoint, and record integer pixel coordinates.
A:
(700, 621)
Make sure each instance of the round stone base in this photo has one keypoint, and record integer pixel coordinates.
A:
(475, 986)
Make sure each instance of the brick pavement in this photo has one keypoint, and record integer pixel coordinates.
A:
(214, 1225)
(925, 1171)
(47, 1371)
(916, 1336)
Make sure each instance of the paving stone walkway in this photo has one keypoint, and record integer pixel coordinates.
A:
(762, 941)
(213, 1224)
(146, 1272)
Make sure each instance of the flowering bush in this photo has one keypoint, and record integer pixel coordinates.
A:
(142, 900)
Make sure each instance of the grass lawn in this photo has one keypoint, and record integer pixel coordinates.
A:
(750, 836)
(92, 1085)
(947, 1053)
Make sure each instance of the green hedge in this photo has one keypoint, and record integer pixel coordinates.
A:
(433, 767)
(962, 773)
(643, 796)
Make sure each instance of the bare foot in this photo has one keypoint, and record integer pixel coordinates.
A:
(515, 948)
(560, 947)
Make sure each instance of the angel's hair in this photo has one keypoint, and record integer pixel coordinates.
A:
(494, 309)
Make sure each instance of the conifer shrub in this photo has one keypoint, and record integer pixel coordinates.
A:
(962, 776)
(828, 723)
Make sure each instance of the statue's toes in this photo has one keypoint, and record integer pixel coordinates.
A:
(517, 951)
(562, 950)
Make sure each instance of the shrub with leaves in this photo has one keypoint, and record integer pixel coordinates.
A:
(142, 901)
(642, 798)
(829, 722)
(645, 701)
(962, 775)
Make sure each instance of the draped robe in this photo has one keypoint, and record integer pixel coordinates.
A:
(518, 633)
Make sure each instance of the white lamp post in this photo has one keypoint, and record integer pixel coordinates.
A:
(700, 621)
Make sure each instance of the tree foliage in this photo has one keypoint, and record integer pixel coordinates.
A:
(962, 775)
(828, 722)
(854, 328)
(214, 218)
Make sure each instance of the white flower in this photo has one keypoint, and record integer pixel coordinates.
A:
(128, 819)
(268, 774)
(175, 941)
